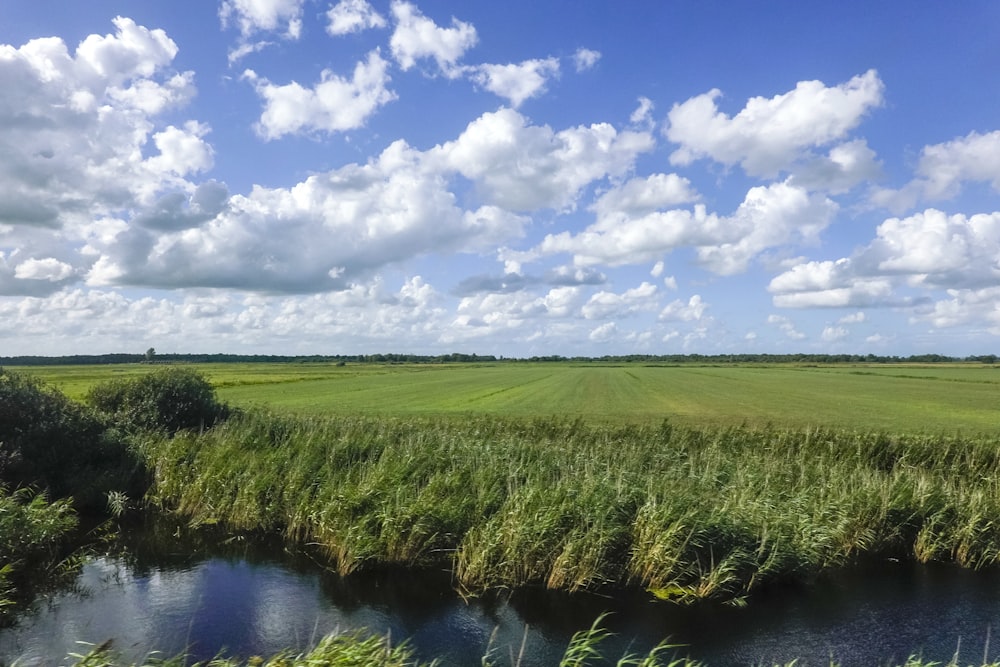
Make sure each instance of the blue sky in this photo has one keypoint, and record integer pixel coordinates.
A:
(517, 178)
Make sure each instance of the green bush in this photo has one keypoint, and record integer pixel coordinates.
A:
(51, 443)
(170, 399)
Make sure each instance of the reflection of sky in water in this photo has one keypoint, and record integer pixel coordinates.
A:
(262, 608)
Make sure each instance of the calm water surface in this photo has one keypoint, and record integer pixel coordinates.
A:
(203, 600)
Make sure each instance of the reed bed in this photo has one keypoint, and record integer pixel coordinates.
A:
(687, 513)
(362, 649)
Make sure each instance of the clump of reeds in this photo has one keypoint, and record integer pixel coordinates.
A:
(363, 649)
(688, 513)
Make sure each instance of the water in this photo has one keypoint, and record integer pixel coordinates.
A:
(172, 597)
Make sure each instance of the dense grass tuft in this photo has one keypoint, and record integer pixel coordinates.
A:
(686, 513)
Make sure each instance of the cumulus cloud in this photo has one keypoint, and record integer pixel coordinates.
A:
(929, 250)
(322, 234)
(606, 304)
(523, 167)
(253, 16)
(349, 16)
(417, 37)
(853, 318)
(365, 316)
(829, 284)
(771, 216)
(769, 135)
(833, 334)
(642, 196)
(691, 310)
(516, 82)
(603, 333)
(335, 104)
(643, 114)
(82, 144)
(943, 168)
(632, 228)
(585, 59)
(845, 166)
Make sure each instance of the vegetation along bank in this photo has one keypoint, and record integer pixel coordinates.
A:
(687, 513)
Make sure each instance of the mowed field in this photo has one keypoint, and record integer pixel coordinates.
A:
(955, 398)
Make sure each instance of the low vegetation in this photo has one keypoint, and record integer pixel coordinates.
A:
(688, 513)
(359, 649)
(80, 458)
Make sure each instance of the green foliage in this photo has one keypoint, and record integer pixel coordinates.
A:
(169, 399)
(363, 649)
(32, 535)
(49, 442)
(686, 513)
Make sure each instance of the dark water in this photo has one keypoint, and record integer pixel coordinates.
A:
(203, 599)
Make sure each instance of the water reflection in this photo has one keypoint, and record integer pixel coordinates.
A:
(163, 593)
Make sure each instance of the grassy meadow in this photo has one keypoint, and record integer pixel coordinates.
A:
(897, 398)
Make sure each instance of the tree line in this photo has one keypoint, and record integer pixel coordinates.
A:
(456, 357)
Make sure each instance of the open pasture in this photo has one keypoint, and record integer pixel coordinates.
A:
(940, 398)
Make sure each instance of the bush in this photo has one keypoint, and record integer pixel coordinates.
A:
(170, 399)
(52, 443)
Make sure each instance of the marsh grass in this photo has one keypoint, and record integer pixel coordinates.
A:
(363, 649)
(688, 513)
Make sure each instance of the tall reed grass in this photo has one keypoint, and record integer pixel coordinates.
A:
(361, 649)
(684, 512)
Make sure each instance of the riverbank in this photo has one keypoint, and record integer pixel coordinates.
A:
(684, 513)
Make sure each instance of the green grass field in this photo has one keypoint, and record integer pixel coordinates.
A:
(949, 399)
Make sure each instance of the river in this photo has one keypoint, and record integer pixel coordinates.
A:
(169, 596)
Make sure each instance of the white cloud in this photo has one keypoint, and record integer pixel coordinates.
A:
(585, 59)
(349, 16)
(252, 16)
(689, 311)
(657, 269)
(786, 326)
(606, 304)
(416, 37)
(630, 228)
(853, 318)
(335, 104)
(845, 166)
(363, 317)
(604, 333)
(322, 234)
(771, 216)
(643, 114)
(828, 284)
(944, 168)
(48, 268)
(964, 307)
(769, 135)
(523, 167)
(82, 144)
(929, 250)
(833, 334)
(642, 196)
(516, 82)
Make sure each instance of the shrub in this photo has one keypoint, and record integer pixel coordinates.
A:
(169, 399)
(49, 442)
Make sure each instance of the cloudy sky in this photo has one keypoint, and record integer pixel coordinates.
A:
(514, 178)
